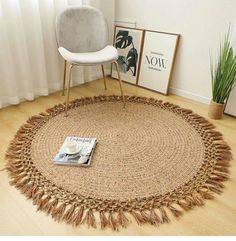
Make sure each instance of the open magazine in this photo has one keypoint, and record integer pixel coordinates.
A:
(82, 158)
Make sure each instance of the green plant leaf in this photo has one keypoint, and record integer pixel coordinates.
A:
(132, 58)
(123, 40)
(223, 74)
(122, 64)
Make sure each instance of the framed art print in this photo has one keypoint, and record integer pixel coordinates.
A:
(159, 50)
(128, 42)
(230, 107)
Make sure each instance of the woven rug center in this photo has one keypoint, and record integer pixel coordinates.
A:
(142, 150)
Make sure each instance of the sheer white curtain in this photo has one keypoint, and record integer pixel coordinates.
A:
(30, 65)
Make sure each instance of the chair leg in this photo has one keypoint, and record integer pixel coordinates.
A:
(68, 89)
(120, 82)
(64, 78)
(104, 77)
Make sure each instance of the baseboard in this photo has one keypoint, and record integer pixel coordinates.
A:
(96, 74)
(190, 95)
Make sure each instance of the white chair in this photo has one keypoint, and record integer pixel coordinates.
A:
(82, 36)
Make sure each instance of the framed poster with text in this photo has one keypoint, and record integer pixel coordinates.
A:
(128, 42)
(158, 55)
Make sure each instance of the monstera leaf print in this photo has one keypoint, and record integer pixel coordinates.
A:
(132, 58)
(123, 40)
(122, 63)
(129, 63)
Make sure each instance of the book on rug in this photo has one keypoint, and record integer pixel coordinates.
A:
(76, 151)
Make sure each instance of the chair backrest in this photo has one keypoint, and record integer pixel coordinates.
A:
(81, 29)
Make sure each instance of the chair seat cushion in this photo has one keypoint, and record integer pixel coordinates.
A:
(106, 55)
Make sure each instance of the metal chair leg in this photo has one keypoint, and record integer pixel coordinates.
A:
(64, 78)
(104, 77)
(120, 82)
(68, 89)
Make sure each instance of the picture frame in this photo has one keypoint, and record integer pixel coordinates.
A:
(230, 106)
(157, 60)
(128, 42)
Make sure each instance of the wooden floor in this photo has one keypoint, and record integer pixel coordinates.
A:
(19, 217)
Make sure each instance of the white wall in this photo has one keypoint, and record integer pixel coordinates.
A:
(201, 24)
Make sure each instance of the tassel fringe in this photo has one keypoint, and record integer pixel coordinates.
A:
(57, 213)
(112, 222)
(155, 219)
(104, 221)
(177, 213)
(121, 219)
(165, 218)
(77, 220)
(89, 219)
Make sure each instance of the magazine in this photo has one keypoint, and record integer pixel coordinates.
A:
(81, 158)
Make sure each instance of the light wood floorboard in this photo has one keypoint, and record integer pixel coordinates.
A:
(19, 217)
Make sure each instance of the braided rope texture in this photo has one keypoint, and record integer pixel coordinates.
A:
(153, 160)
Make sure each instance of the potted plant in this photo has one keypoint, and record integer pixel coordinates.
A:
(223, 76)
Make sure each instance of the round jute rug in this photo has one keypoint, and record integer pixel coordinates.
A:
(152, 160)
